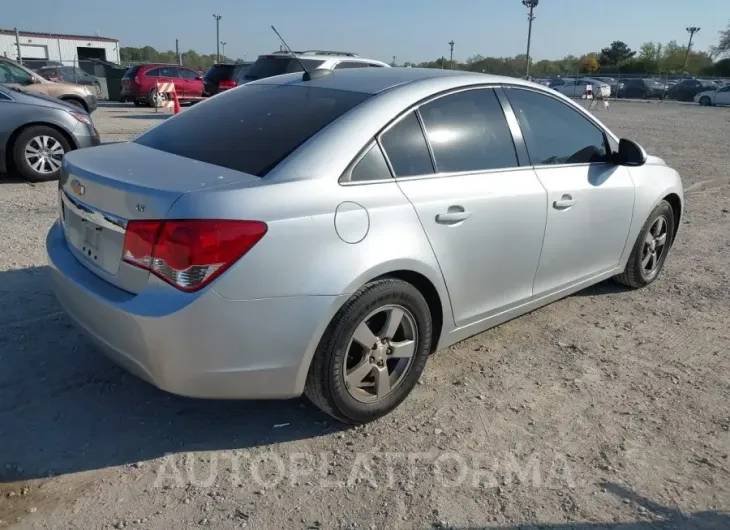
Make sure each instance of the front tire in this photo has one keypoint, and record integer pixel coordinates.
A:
(38, 152)
(372, 353)
(705, 101)
(651, 248)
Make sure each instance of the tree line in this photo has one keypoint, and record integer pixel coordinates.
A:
(148, 54)
(652, 58)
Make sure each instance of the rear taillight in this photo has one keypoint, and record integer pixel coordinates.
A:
(189, 254)
(227, 84)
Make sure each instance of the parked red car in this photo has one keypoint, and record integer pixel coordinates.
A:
(139, 83)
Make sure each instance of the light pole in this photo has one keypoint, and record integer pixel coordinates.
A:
(451, 59)
(223, 45)
(393, 63)
(691, 30)
(217, 37)
(532, 4)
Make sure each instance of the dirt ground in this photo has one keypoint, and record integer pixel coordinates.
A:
(607, 410)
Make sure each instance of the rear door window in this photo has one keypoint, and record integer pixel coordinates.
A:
(131, 72)
(468, 132)
(406, 147)
(251, 129)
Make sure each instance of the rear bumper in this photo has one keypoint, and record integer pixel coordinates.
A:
(198, 345)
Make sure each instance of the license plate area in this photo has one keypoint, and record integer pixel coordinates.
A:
(93, 244)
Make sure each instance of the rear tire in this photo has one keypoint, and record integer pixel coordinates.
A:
(640, 269)
(332, 384)
(49, 144)
(156, 99)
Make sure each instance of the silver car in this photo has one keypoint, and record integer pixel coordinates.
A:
(576, 87)
(324, 235)
(37, 130)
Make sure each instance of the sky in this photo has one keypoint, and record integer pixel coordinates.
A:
(411, 30)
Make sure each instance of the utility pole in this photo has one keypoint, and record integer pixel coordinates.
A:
(177, 52)
(17, 43)
(223, 44)
(451, 60)
(531, 4)
(393, 63)
(217, 37)
(691, 30)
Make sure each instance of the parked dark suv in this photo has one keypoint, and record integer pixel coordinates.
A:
(139, 83)
(642, 89)
(687, 89)
(223, 76)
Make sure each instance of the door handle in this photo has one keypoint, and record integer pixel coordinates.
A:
(565, 202)
(455, 214)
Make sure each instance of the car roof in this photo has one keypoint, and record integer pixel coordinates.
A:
(319, 55)
(375, 80)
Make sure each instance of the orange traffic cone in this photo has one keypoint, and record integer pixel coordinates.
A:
(176, 103)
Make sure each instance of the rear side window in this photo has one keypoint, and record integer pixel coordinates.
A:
(554, 133)
(468, 132)
(372, 166)
(253, 128)
(352, 64)
(131, 72)
(406, 148)
(220, 72)
(270, 66)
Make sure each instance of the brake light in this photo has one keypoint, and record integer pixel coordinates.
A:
(189, 254)
(227, 84)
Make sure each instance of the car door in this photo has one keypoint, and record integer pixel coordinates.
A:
(567, 88)
(723, 96)
(590, 200)
(193, 85)
(483, 213)
(166, 74)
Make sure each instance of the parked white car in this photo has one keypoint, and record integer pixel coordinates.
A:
(576, 87)
(719, 96)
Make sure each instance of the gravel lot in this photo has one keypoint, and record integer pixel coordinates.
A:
(609, 409)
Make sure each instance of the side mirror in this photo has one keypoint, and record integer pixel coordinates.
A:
(630, 153)
(198, 77)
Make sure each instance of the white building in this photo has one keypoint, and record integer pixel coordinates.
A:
(67, 49)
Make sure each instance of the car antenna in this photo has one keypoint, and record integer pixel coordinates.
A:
(307, 76)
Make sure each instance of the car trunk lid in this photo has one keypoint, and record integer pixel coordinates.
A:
(103, 188)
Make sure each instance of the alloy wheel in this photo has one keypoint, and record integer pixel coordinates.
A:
(380, 353)
(654, 247)
(44, 154)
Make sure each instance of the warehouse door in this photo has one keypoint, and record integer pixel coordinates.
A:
(91, 53)
(33, 51)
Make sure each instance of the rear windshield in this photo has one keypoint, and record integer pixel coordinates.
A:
(253, 128)
(270, 66)
(220, 72)
(131, 72)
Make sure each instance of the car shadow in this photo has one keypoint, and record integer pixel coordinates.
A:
(65, 408)
(156, 116)
(603, 288)
(657, 517)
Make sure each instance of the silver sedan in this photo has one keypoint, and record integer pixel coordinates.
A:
(323, 234)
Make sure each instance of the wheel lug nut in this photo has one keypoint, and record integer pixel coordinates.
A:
(372, 359)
